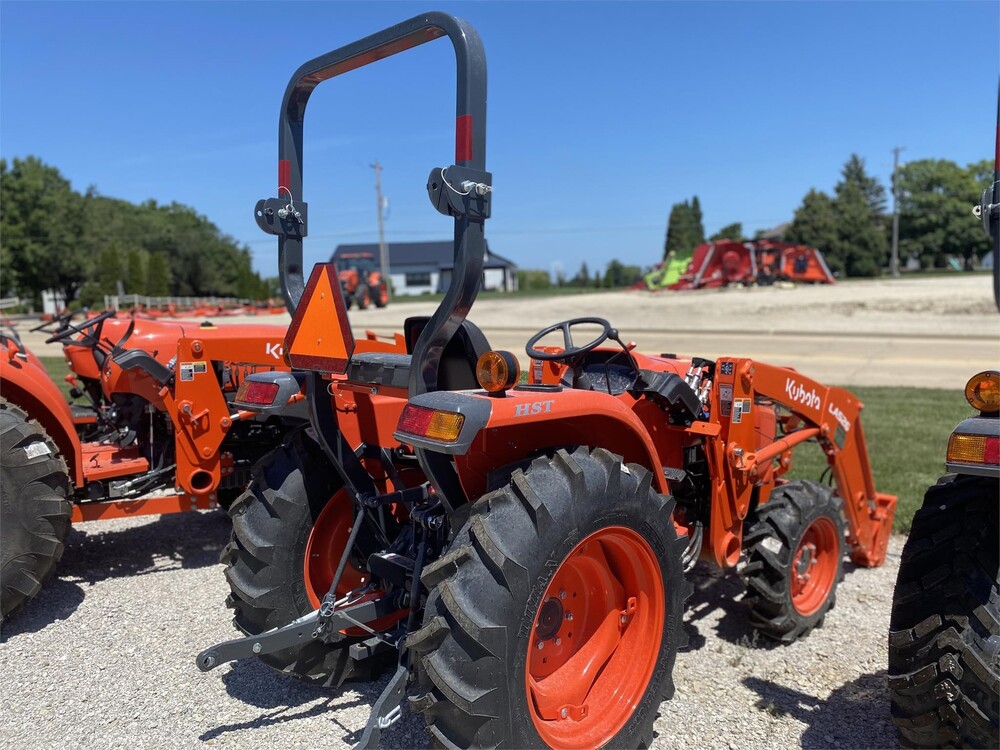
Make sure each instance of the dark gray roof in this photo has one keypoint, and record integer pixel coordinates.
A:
(439, 254)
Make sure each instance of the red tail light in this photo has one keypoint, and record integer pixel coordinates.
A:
(256, 394)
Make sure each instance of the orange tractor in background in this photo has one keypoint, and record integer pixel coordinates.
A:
(517, 549)
(361, 281)
(160, 419)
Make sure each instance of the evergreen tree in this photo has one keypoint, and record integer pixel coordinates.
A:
(685, 230)
(697, 225)
(860, 209)
(815, 224)
(850, 228)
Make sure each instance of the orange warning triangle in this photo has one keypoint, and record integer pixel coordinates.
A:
(320, 337)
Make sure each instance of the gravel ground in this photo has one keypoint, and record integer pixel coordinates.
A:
(104, 657)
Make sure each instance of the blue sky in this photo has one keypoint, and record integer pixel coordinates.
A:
(601, 115)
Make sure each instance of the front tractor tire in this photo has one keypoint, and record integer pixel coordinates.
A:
(555, 617)
(289, 530)
(795, 551)
(944, 632)
(34, 508)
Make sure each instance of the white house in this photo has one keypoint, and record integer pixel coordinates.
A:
(425, 267)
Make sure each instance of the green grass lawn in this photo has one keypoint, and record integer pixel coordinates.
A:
(907, 431)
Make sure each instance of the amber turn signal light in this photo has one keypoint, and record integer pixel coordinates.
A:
(974, 449)
(983, 391)
(444, 426)
(497, 371)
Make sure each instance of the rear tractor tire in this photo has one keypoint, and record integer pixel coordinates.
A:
(34, 508)
(555, 617)
(289, 531)
(795, 550)
(363, 296)
(944, 632)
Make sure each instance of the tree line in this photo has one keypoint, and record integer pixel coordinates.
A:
(86, 245)
(853, 228)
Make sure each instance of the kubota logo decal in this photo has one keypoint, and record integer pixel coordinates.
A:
(797, 393)
(539, 407)
(839, 416)
(275, 350)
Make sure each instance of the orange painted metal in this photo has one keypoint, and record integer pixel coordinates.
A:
(815, 565)
(745, 454)
(25, 381)
(108, 461)
(835, 415)
(108, 509)
(595, 639)
(324, 548)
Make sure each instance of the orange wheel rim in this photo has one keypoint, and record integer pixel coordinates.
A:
(324, 548)
(595, 639)
(814, 566)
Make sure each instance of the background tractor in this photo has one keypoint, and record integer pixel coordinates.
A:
(518, 550)
(161, 416)
(944, 634)
(361, 280)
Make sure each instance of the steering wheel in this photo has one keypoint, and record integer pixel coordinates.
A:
(59, 321)
(569, 352)
(71, 330)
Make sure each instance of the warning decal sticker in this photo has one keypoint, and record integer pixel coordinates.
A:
(190, 369)
(741, 406)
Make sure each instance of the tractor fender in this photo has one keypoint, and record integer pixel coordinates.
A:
(526, 421)
(26, 383)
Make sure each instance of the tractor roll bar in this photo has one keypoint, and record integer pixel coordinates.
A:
(286, 216)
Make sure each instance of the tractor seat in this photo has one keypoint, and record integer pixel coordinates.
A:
(457, 371)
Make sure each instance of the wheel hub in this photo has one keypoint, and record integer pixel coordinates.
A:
(596, 640)
(814, 566)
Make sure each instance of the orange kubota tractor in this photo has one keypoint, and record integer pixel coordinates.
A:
(518, 549)
(160, 417)
(361, 281)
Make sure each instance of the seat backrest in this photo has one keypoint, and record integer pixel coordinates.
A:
(457, 371)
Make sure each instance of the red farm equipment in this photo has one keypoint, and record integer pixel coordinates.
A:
(725, 262)
(518, 550)
(160, 419)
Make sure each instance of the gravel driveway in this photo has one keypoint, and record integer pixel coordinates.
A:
(104, 658)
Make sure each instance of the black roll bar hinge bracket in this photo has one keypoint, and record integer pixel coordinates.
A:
(282, 217)
(461, 192)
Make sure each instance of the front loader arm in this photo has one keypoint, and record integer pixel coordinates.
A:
(832, 416)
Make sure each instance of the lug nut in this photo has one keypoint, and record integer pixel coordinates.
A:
(569, 615)
(558, 641)
(564, 713)
(562, 594)
(541, 645)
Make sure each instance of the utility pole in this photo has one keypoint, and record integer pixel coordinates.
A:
(894, 260)
(383, 260)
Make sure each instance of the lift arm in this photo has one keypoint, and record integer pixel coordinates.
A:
(833, 417)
